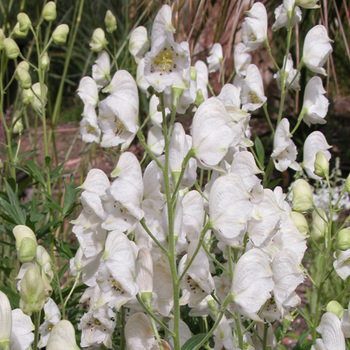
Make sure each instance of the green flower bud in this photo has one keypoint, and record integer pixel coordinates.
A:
(11, 48)
(23, 65)
(32, 291)
(18, 127)
(193, 74)
(5, 322)
(28, 96)
(23, 77)
(2, 38)
(321, 165)
(24, 22)
(18, 33)
(319, 224)
(302, 195)
(334, 307)
(344, 239)
(59, 35)
(199, 98)
(98, 40)
(300, 222)
(25, 243)
(45, 61)
(110, 22)
(307, 4)
(49, 11)
(347, 184)
(44, 260)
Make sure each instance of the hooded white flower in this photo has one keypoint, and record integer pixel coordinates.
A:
(118, 116)
(211, 132)
(138, 43)
(284, 150)
(62, 337)
(22, 335)
(254, 28)
(315, 105)
(290, 73)
(89, 129)
(101, 69)
(331, 332)
(168, 62)
(242, 59)
(316, 49)
(342, 264)
(283, 13)
(215, 58)
(202, 78)
(5, 321)
(252, 283)
(315, 142)
(88, 92)
(252, 94)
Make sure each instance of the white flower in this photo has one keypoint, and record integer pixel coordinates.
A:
(22, 335)
(202, 78)
(284, 150)
(284, 12)
(252, 94)
(342, 264)
(215, 57)
(242, 59)
(211, 132)
(308, 4)
(140, 77)
(252, 283)
(290, 73)
(316, 49)
(138, 43)
(155, 140)
(254, 28)
(62, 336)
(5, 320)
(315, 142)
(331, 332)
(89, 129)
(315, 105)
(101, 69)
(88, 91)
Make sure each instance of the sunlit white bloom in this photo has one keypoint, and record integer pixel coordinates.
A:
(283, 14)
(252, 94)
(331, 332)
(88, 91)
(153, 113)
(228, 195)
(290, 73)
(215, 58)
(162, 26)
(315, 142)
(202, 78)
(52, 316)
(252, 283)
(211, 132)
(22, 335)
(89, 128)
(118, 113)
(97, 326)
(155, 140)
(342, 264)
(254, 28)
(101, 69)
(315, 106)
(284, 150)
(316, 49)
(140, 77)
(138, 43)
(242, 59)
(5, 321)
(139, 333)
(62, 336)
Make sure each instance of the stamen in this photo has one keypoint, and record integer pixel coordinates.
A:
(164, 60)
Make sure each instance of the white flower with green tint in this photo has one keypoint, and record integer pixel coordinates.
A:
(62, 337)
(284, 13)
(215, 58)
(5, 322)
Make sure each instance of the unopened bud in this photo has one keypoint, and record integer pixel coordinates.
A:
(321, 165)
(2, 38)
(334, 307)
(347, 184)
(49, 11)
(302, 195)
(59, 35)
(110, 22)
(28, 96)
(18, 127)
(32, 291)
(11, 48)
(138, 42)
(300, 222)
(18, 33)
(43, 258)
(62, 336)
(45, 61)
(98, 40)
(24, 22)
(307, 4)
(319, 224)
(23, 77)
(344, 239)
(25, 243)
(5, 322)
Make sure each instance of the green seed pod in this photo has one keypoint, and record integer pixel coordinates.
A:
(49, 11)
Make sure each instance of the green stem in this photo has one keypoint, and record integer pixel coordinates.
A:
(36, 331)
(239, 331)
(71, 292)
(268, 118)
(143, 224)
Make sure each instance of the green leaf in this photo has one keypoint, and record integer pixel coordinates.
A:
(260, 151)
(273, 183)
(69, 196)
(193, 342)
(35, 171)
(302, 338)
(12, 207)
(64, 250)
